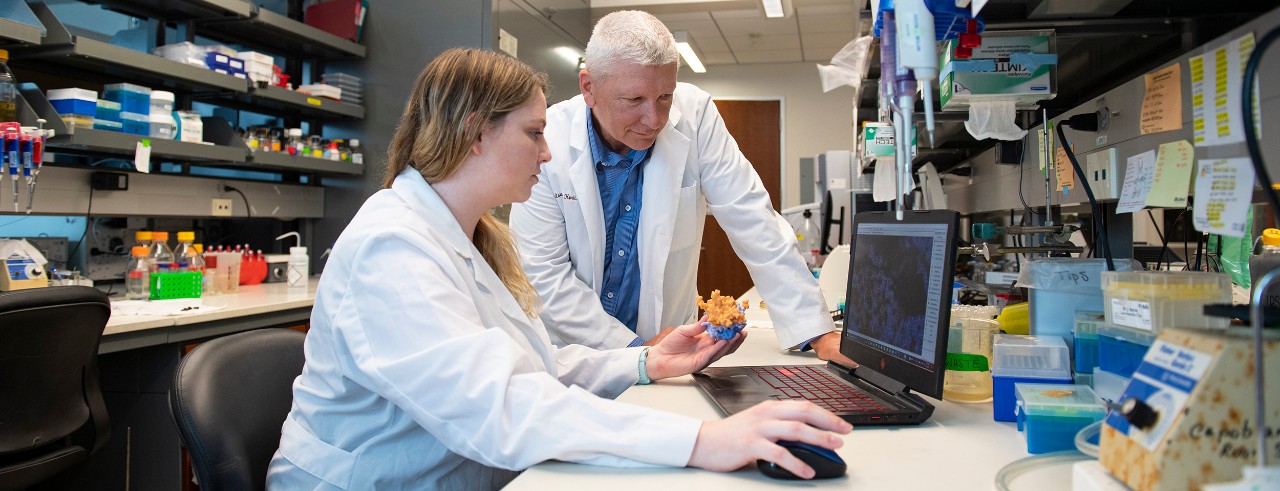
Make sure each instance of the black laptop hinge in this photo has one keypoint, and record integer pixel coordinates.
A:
(882, 381)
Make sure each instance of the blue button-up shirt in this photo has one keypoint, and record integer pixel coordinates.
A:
(621, 179)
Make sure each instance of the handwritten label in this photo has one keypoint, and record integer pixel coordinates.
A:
(1172, 176)
(1139, 174)
(1074, 277)
(1063, 170)
(1131, 313)
(1162, 104)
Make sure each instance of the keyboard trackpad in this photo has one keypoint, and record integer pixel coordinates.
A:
(738, 382)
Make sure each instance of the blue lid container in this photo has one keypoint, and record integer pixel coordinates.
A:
(1120, 349)
(136, 124)
(1051, 415)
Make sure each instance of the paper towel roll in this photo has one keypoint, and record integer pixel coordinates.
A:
(994, 119)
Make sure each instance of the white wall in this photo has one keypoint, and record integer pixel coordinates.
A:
(814, 122)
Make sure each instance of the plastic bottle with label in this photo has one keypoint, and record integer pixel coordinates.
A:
(182, 254)
(161, 255)
(807, 240)
(8, 90)
(138, 275)
(299, 263)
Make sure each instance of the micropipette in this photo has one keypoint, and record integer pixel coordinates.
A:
(917, 51)
(37, 155)
(13, 149)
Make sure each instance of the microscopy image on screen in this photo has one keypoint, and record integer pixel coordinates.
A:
(894, 289)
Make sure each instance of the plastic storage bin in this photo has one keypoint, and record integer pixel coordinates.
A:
(1085, 333)
(1025, 359)
(1152, 300)
(1052, 414)
(83, 102)
(132, 98)
(136, 123)
(1060, 287)
(1109, 386)
(184, 52)
(1120, 349)
(102, 124)
(108, 111)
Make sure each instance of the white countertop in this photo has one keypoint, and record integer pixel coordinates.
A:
(249, 300)
(959, 448)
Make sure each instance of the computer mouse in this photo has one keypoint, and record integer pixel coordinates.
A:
(826, 463)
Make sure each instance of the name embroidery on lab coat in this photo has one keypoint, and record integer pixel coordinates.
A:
(566, 196)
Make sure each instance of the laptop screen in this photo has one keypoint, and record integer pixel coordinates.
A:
(897, 306)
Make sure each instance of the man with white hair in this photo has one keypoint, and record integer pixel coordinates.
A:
(611, 237)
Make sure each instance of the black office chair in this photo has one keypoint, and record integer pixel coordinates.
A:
(52, 416)
(229, 399)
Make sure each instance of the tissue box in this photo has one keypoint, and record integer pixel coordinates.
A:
(1010, 65)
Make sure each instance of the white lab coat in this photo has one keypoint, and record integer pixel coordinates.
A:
(422, 372)
(695, 166)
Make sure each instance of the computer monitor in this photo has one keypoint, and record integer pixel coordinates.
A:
(897, 305)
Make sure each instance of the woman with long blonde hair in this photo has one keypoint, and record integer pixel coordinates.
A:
(426, 364)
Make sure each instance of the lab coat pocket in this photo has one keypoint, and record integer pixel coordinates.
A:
(687, 215)
(332, 464)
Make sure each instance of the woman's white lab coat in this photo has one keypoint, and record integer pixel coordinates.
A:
(695, 167)
(422, 372)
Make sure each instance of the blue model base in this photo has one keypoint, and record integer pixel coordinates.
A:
(723, 333)
(1005, 398)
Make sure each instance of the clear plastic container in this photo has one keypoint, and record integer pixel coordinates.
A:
(136, 282)
(8, 90)
(1061, 286)
(161, 101)
(1025, 359)
(1051, 415)
(1120, 349)
(108, 111)
(163, 126)
(184, 52)
(78, 120)
(1085, 333)
(132, 98)
(1109, 386)
(136, 123)
(1152, 300)
(102, 124)
(968, 375)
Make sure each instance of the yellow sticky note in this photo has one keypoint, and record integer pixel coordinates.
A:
(313, 101)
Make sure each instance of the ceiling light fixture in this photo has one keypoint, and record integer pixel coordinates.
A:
(774, 9)
(686, 51)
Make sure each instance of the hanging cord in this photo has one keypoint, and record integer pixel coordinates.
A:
(1246, 104)
(1098, 224)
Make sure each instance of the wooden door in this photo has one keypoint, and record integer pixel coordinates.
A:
(757, 127)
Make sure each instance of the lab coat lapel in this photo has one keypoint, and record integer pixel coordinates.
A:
(586, 189)
(488, 288)
(662, 182)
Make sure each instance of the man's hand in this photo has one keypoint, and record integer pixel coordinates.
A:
(827, 346)
(658, 338)
(687, 349)
(729, 444)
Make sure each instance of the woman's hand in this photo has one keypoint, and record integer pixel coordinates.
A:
(687, 349)
(741, 439)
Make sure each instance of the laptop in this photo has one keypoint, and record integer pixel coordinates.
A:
(897, 314)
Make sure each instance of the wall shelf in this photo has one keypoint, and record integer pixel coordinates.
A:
(275, 100)
(281, 160)
(110, 142)
(177, 10)
(17, 32)
(274, 33)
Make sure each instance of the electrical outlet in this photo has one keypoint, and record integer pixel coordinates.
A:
(1100, 168)
(221, 207)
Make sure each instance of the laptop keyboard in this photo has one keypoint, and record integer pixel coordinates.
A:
(814, 384)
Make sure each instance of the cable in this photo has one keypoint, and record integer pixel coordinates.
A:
(88, 215)
(1022, 153)
(1246, 103)
(247, 211)
(1099, 230)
